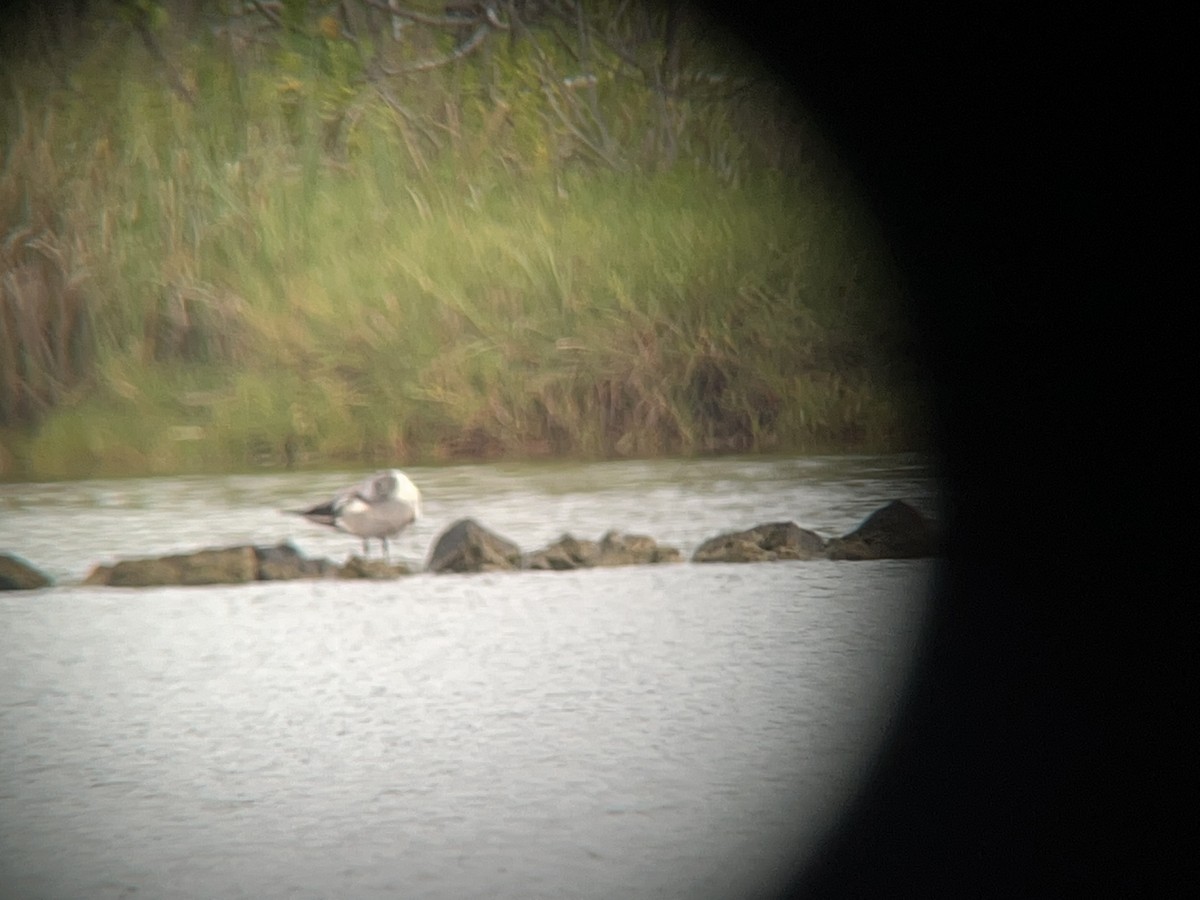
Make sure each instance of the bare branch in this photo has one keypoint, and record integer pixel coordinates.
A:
(599, 151)
(493, 18)
(395, 9)
(466, 48)
(555, 88)
(156, 50)
(722, 86)
(268, 13)
(408, 117)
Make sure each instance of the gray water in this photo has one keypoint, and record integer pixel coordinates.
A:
(657, 731)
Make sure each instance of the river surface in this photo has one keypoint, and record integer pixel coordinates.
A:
(671, 731)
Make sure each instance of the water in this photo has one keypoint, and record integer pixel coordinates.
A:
(658, 731)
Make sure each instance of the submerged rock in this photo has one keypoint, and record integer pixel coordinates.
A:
(375, 569)
(614, 549)
(231, 565)
(228, 565)
(18, 575)
(897, 531)
(284, 562)
(565, 553)
(763, 543)
(617, 549)
(466, 546)
(98, 577)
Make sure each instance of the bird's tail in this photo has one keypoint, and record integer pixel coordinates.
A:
(322, 515)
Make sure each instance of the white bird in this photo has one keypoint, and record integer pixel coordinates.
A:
(381, 507)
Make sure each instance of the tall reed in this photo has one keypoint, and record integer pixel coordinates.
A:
(296, 267)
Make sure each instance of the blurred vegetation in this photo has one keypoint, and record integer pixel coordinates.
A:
(303, 233)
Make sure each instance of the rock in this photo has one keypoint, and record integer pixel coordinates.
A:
(618, 549)
(141, 573)
(763, 543)
(565, 553)
(231, 565)
(466, 546)
(376, 569)
(285, 563)
(98, 576)
(614, 549)
(897, 531)
(740, 547)
(18, 575)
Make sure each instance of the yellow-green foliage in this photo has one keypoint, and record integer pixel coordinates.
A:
(294, 266)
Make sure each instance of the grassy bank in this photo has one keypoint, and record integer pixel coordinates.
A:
(293, 266)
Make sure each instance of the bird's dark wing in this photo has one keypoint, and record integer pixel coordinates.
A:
(322, 514)
(330, 511)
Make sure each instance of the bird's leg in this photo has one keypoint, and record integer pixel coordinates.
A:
(366, 550)
(387, 553)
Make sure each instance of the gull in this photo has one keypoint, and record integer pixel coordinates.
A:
(381, 507)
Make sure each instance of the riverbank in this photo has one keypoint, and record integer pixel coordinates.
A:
(290, 264)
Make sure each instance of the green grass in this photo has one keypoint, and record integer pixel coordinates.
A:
(234, 290)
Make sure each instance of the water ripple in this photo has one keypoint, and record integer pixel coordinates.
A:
(675, 731)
